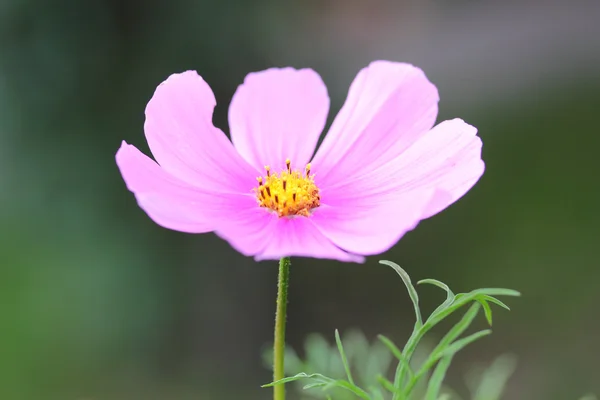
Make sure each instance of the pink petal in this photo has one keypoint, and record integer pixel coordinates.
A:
(250, 231)
(278, 114)
(369, 214)
(267, 237)
(300, 238)
(454, 162)
(371, 225)
(185, 143)
(172, 203)
(447, 159)
(389, 106)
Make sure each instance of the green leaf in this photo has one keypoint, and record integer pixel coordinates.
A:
(497, 292)
(442, 285)
(440, 314)
(348, 386)
(403, 365)
(391, 346)
(301, 375)
(492, 381)
(323, 382)
(343, 356)
(386, 384)
(457, 329)
(411, 290)
(359, 352)
(494, 300)
(463, 298)
(377, 393)
(449, 294)
(486, 310)
(314, 385)
(435, 383)
(443, 345)
(462, 343)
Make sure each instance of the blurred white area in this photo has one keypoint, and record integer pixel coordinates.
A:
(476, 51)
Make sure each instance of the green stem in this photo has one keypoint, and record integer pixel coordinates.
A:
(280, 317)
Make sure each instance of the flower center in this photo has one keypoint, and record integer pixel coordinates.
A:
(289, 192)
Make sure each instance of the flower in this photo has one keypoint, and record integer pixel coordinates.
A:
(381, 168)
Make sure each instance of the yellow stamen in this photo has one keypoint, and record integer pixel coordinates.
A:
(288, 193)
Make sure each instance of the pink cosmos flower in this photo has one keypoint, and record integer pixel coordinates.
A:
(381, 169)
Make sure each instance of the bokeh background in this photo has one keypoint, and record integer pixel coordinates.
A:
(98, 302)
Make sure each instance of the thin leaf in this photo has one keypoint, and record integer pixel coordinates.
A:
(343, 355)
(487, 310)
(438, 351)
(411, 290)
(377, 393)
(301, 375)
(442, 285)
(387, 385)
(494, 378)
(391, 346)
(435, 383)
(314, 385)
(401, 369)
(462, 343)
(449, 294)
(438, 315)
(458, 328)
(497, 292)
(494, 300)
(460, 300)
(348, 386)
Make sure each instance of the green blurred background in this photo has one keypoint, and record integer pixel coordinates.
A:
(98, 302)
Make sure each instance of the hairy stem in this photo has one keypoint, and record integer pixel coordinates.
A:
(280, 317)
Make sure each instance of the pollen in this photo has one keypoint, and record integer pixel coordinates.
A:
(288, 193)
